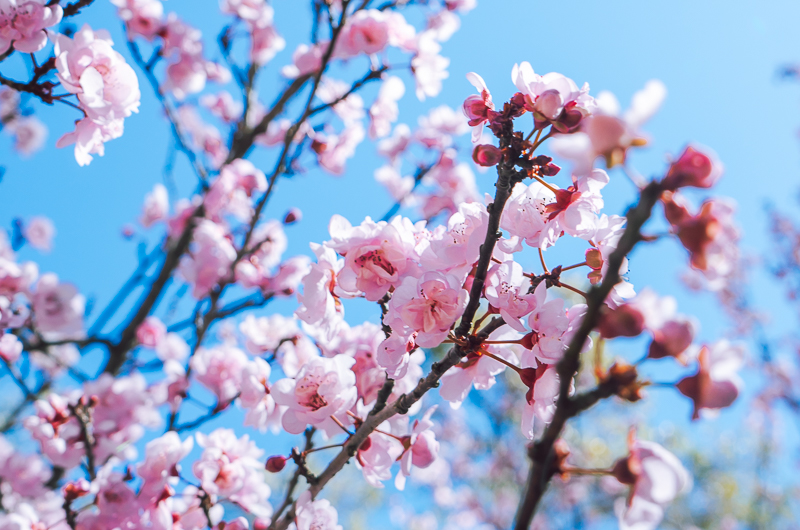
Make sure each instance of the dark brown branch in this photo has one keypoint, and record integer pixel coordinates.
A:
(541, 452)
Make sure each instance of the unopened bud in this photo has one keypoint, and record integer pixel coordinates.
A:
(294, 215)
(486, 155)
(275, 464)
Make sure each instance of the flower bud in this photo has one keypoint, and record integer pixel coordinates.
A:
(624, 321)
(694, 168)
(294, 215)
(486, 155)
(275, 464)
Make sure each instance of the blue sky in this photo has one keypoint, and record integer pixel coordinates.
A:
(718, 59)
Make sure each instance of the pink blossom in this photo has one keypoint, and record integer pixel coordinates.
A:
(266, 42)
(716, 384)
(220, 370)
(315, 515)
(58, 308)
(247, 9)
(210, 258)
(553, 98)
(23, 22)
(365, 32)
(608, 133)
(394, 354)
(395, 145)
(230, 467)
(333, 150)
(349, 109)
(398, 186)
(429, 68)
(540, 401)
(29, 134)
(10, 347)
(319, 301)
(477, 108)
(57, 431)
(223, 106)
(266, 334)
(525, 216)
(172, 347)
(156, 206)
(39, 233)
(656, 477)
(142, 17)
(160, 466)
(89, 137)
(186, 76)
(505, 290)
(697, 166)
(486, 155)
(88, 66)
(376, 456)
(305, 60)
(443, 25)
(437, 128)
(576, 208)
(478, 370)
(322, 388)
(377, 255)
(256, 397)
(151, 332)
(384, 110)
(429, 306)
(420, 448)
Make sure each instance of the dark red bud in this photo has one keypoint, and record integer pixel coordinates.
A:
(275, 464)
(624, 321)
(486, 155)
(292, 216)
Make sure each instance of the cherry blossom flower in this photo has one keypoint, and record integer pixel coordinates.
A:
(89, 138)
(10, 347)
(39, 233)
(230, 467)
(161, 463)
(151, 332)
(88, 66)
(256, 397)
(477, 108)
(319, 301)
(394, 354)
(315, 514)
(333, 150)
(172, 347)
(156, 206)
(420, 448)
(220, 370)
(655, 477)
(142, 17)
(525, 216)
(384, 110)
(58, 308)
(223, 106)
(553, 98)
(305, 60)
(376, 456)
(429, 306)
(540, 401)
(210, 258)
(377, 255)
(505, 290)
(23, 23)
(697, 166)
(608, 133)
(367, 31)
(716, 384)
(58, 432)
(478, 370)
(29, 134)
(322, 388)
(429, 68)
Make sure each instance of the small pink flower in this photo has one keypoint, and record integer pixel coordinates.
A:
(540, 401)
(10, 347)
(315, 515)
(151, 332)
(23, 22)
(420, 448)
(323, 388)
(384, 111)
(394, 354)
(89, 138)
(478, 108)
(256, 397)
(58, 308)
(172, 347)
(376, 456)
(161, 464)
(29, 134)
(223, 106)
(655, 478)
(141, 17)
(365, 32)
(39, 233)
(697, 167)
(716, 384)
(429, 306)
(220, 370)
(156, 206)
